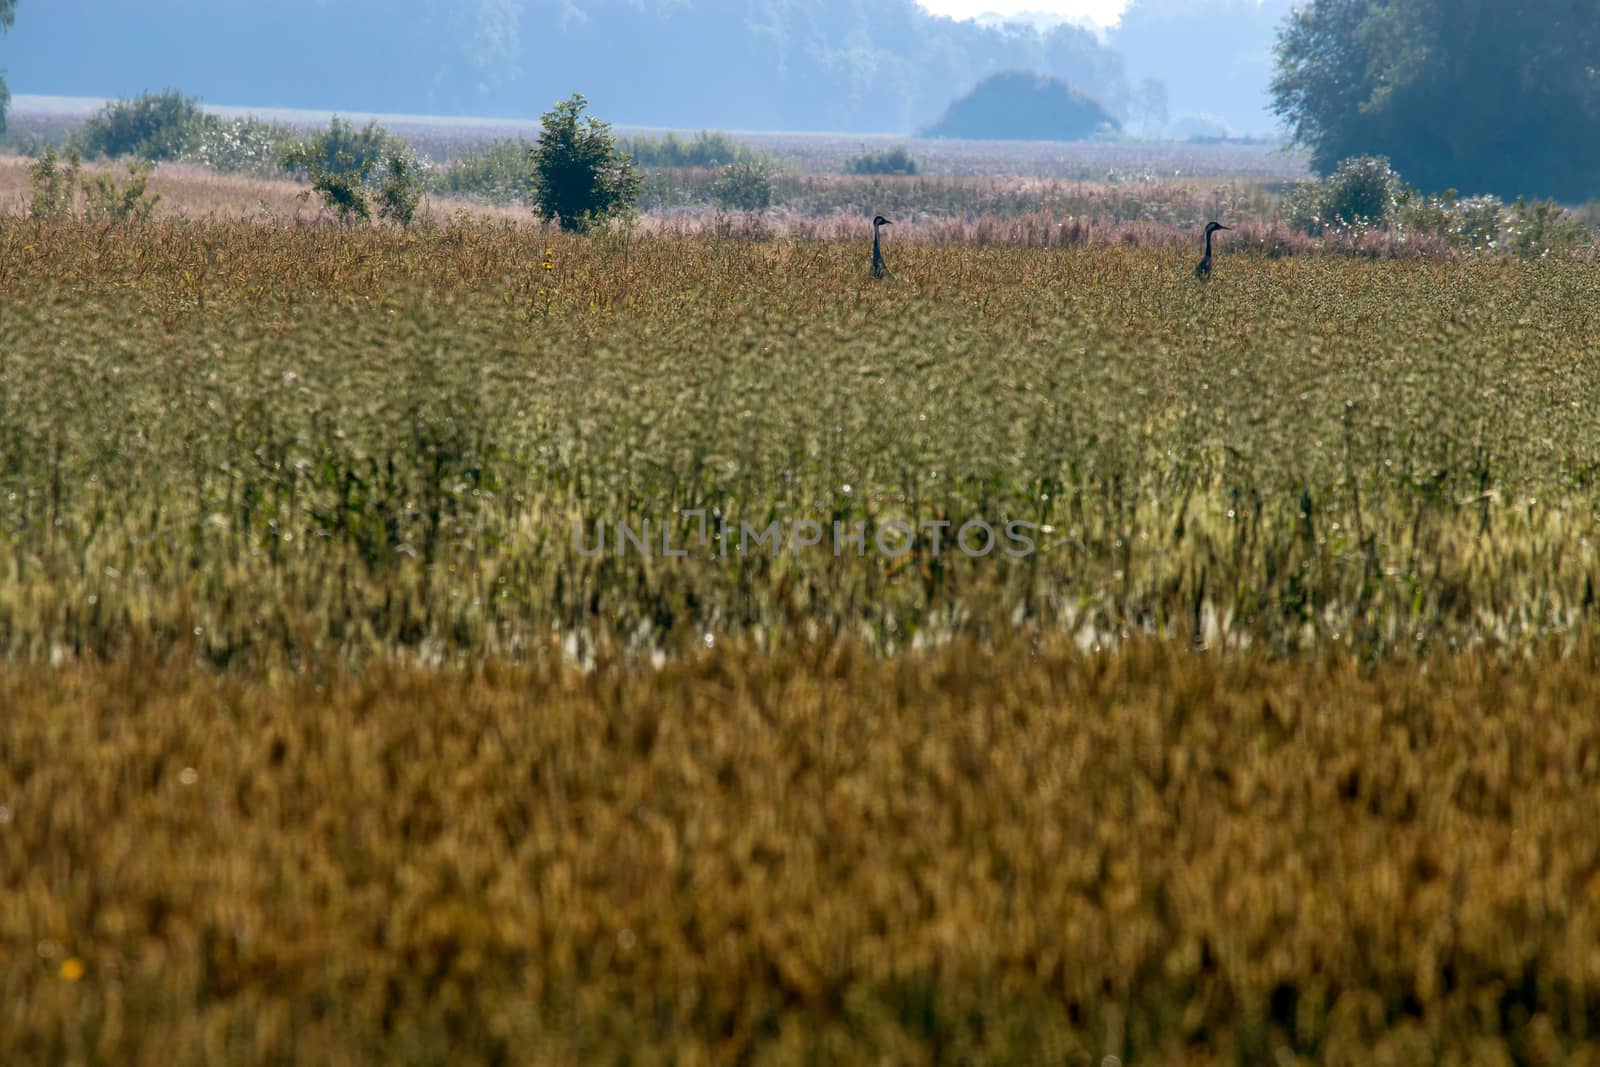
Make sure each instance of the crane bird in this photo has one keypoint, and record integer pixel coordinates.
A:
(1203, 271)
(880, 269)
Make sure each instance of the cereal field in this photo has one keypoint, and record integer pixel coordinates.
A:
(331, 734)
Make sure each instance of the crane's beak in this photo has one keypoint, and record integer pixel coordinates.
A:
(1224, 227)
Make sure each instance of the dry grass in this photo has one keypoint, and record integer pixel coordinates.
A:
(1026, 855)
(1008, 211)
(192, 192)
(1023, 211)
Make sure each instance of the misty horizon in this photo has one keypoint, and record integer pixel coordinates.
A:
(846, 66)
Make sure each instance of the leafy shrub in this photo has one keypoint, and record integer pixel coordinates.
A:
(342, 188)
(53, 186)
(401, 191)
(107, 201)
(1360, 194)
(152, 126)
(894, 160)
(580, 174)
(349, 166)
(1474, 223)
(705, 149)
(743, 187)
(1366, 192)
(249, 145)
(1541, 227)
(344, 149)
(501, 172)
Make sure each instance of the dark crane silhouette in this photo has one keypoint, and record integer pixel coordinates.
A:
(1203, 271)
(880, 269)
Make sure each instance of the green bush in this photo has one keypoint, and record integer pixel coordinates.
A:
(501, 172)
(705, 149)
(1360, 194)
(344, 149)
(743, 187)
(580, 174)
(1541, 227)
(341, 187)
(894, 160)
(152, 126)
(105, 200)
(348, 167)
(1474, 223)
(401, 191)
(53, 186)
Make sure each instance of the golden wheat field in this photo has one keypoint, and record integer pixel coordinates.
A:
(329, 735)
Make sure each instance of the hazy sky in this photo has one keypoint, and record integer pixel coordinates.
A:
(1104, 12)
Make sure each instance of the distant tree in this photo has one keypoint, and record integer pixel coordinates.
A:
(1023, 106)
(581, 175)
(8, 15)
(1490, 96)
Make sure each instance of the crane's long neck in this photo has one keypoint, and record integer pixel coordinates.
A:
(1209, 234)
(876, 254)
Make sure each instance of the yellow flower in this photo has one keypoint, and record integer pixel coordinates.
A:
(72, 969)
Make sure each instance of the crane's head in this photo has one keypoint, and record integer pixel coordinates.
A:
(1212, 228)
(879, 220)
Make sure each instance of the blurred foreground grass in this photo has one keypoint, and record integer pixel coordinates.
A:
(1025, 855)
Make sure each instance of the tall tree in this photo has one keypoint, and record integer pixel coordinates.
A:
(8, 15)
(1486, 96)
